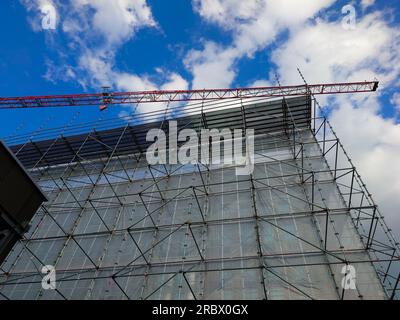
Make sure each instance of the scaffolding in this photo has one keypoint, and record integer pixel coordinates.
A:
(116, 227)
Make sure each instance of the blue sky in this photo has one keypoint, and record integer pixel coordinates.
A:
(26, 54)
(155, 44)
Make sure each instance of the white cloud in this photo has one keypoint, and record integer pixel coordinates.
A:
(60, 71)
(117, 21)
(39, 8)
(367, 3)
(96, 29)
(261, 83)
(129, 82)
(325, 52)
(98, 69)
(374, 145)
(395, 100)
(211, 67)
(254, 14)
(227, 13)
(255, 24)
(102, 73)
(175, 82)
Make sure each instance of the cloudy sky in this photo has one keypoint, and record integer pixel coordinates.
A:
(179, 44)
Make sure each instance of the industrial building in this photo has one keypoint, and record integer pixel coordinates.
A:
(116, 227)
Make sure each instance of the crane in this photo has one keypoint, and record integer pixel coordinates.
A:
(107, 98)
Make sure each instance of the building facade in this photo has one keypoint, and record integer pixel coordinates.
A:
(301, 225)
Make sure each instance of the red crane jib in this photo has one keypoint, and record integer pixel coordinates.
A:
(118, 98)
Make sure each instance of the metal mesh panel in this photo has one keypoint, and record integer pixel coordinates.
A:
(117, 228)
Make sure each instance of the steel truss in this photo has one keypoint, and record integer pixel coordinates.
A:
(314, 161)
(112, 98)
